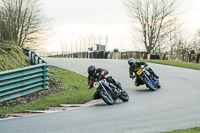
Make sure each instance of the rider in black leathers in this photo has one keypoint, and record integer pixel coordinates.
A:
(98, 74)
(135, 66)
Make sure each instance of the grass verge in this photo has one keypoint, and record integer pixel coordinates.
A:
(175, 63)
(75, 92)
(190, 130)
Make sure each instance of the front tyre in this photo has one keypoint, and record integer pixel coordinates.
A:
(149, 84)
(124, 96)
(106, 97)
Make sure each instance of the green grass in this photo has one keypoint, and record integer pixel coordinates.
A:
(175, 63)
(190, 130)
(76, 93)
(12, 57)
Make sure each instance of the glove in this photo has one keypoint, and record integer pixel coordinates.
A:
(131, 76)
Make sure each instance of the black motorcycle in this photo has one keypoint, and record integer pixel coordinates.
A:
(110, 92)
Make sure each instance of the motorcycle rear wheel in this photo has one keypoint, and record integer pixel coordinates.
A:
(124, 96)
(106, 98)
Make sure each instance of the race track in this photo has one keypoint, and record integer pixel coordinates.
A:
(174, 106)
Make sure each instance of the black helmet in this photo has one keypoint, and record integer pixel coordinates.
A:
(91, 70)
(131, 61)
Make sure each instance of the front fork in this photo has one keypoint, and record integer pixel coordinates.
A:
(103, 88)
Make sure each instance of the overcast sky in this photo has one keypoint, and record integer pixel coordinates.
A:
(77, 19)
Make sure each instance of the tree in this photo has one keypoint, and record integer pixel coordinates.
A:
(153, 20)
(21, 21)
(195, 43)
(188, 45)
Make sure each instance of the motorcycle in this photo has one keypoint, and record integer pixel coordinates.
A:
(110, 92)
(148, 79)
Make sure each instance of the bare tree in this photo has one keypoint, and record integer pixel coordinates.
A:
(22, 22)
(154, 20)
(174, 40)
(195, 43)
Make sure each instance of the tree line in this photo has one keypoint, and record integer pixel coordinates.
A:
(157, 27)
(22, 22)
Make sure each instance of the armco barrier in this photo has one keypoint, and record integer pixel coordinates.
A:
(35, 59)
(23, 81)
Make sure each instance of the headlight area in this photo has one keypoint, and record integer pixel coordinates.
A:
(96, 85)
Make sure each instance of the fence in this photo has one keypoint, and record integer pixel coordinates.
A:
(195, 58)
(23, 81)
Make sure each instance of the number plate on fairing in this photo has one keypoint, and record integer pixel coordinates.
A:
(139, 72)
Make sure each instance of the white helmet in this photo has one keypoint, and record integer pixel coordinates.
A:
(131, 61)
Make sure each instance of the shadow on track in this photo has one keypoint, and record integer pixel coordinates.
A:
(143, 90)
(104, 104)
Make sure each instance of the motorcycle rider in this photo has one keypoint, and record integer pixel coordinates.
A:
(135, 66)
(98, 74)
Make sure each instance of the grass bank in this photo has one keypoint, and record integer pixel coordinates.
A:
(12, 57)
(175, 63)
(190, 130)
(75, 92)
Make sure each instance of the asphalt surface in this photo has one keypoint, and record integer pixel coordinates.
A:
(174, 106)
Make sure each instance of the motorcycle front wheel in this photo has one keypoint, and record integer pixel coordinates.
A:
(106, 97)
(148, 83)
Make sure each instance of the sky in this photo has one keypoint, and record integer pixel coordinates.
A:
(75, 20)
(191, 15)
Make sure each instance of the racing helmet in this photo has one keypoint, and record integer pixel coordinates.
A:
(91, 70)
(131, 61)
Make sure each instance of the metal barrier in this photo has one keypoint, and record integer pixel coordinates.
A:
(34, 58)
(23, 81)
